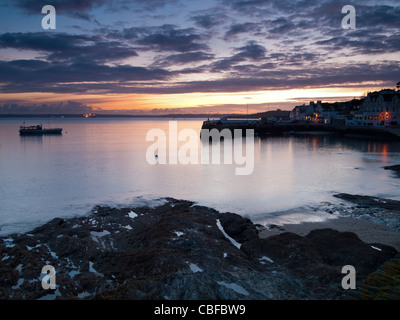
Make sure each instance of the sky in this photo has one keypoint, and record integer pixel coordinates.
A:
(193, 56)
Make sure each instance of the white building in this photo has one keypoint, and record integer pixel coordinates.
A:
(380, 109)
(314, 112)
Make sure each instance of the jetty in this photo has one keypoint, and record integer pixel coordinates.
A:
(232, 124)
(264, 128)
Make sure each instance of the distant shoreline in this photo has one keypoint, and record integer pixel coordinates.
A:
(276, 113)
(98, 116)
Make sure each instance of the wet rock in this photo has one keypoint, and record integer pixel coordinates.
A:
(370, 202)
(378, 210)
(177, 251)
(395, 168)
(274, 226)
(316, 260)
(345, 248)
(285, 248)
(239, 228)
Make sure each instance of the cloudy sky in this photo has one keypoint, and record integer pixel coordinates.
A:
(163, 56)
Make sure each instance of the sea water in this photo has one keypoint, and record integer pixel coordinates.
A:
(103, 161)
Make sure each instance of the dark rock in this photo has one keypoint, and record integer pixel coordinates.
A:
(379, 210)
(395, 168)
(283, 248)
(274, 226)
(295, 256)
(370, 202)
(239, 228)
(317, 259)
(345, 248)
(177, 251)
(383, 284)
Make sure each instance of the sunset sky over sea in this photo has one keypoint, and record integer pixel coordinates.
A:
(189, 56)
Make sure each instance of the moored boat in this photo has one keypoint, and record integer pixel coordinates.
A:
(38, 130)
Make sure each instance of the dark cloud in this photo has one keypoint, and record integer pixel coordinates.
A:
(169, 38)
(377, 31)
(319, 24)
(281, 26)
(80, 8)
(283, 44)
(284, 16)
(247, 27)
(384, 16)
(290, 7)
(69, 107)
(147, 5)
(281, 79)
(288, 59)
(48, 78)
(261, 7)
(208, 21)
(363, 42)
(61, 5)
(42, 41)
(251, 51)
(34, 75)
(64, 47)
(183, 58)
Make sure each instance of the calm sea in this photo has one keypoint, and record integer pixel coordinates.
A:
(103, 161)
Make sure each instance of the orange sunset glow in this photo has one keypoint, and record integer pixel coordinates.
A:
(212, 59)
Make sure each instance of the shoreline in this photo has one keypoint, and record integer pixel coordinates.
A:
(373, 219)
(182, 251)
(367, 231)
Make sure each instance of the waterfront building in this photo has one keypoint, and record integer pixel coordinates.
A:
(322, 113)
(380, 109)
(377, 109)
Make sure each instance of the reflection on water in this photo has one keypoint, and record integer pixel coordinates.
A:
(330, 141)
(334, 142)
(104, 162)
(31, 139)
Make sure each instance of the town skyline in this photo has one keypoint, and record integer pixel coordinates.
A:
(217, 56)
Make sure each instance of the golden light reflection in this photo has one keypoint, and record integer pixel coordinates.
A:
(385, 154)
(315, 143)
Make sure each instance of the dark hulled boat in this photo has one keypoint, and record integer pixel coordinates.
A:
(38, 130)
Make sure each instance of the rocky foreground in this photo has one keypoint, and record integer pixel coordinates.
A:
(180, 250)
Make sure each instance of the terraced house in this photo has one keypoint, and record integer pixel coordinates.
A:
(380, 109)
(377, 109)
